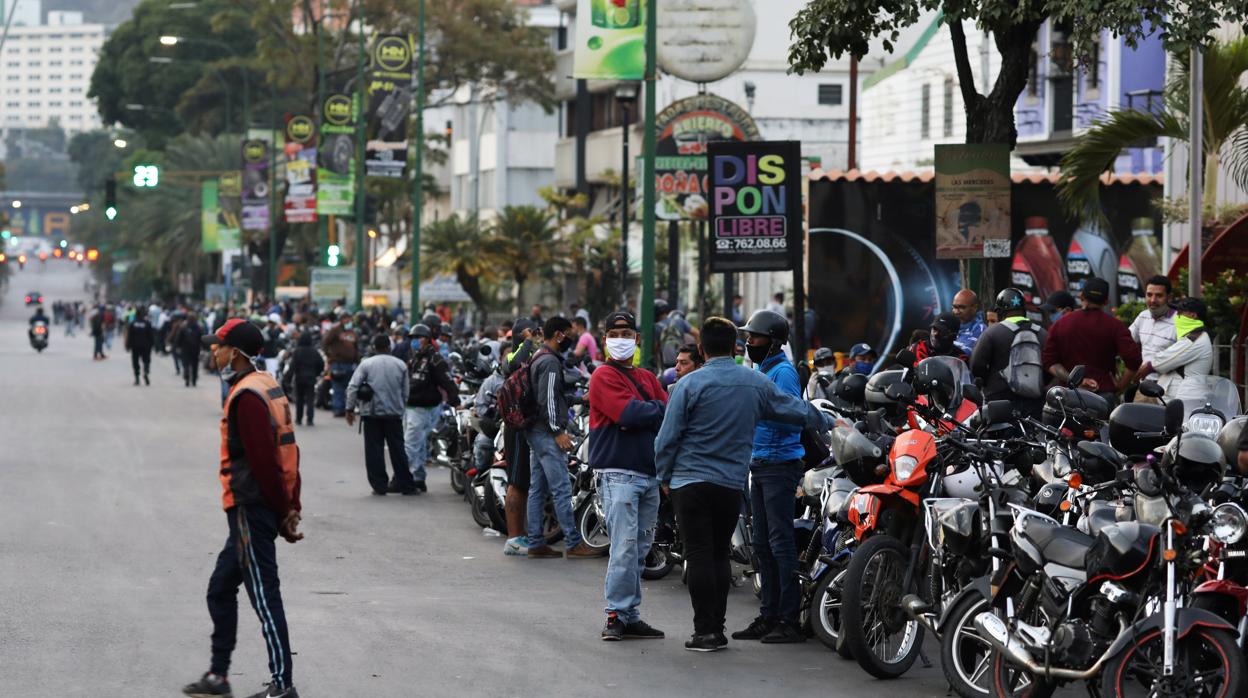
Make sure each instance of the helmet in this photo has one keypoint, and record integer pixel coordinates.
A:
(852, 389)
(421, 330)
(936, 379)
(668, 377)
(1011, 299)
(661, 307)
(823, 354)
(770, 324)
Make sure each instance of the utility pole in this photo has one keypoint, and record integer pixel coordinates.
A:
(624, 210)
(646, 297)
(361, 93)
(1195, 246)
(273, 217)
(322, 222)
(418, 166)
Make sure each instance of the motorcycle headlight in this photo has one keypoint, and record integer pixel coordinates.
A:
(1203, 423)
(1229, 523)
(904, 467)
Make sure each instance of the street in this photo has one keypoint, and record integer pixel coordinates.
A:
(110, 507)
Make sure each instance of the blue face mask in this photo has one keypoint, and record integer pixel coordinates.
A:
(1056, 314)
(416, 344)
(863, 367)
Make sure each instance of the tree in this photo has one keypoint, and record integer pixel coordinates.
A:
(96, 157)
(524, 240)
(1224, 139)
(838, 27)
(454, 246)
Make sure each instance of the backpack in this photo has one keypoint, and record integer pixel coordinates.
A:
(516, 405)
(1024, 373)
(670, 339)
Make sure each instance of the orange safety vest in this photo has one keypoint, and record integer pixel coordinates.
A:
(237, 485)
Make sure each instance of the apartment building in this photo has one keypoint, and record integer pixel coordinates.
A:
(45, 72)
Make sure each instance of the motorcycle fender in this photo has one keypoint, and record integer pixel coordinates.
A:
(1184, 620)
(1225, 587)
(977, 587)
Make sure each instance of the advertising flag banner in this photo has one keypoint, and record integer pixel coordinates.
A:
(684, 130)
(610, 40)
(229, 220)
(389, 103)
(300, 204)
(335, 172)
(208, 212)
(972, 200)
(255, 185)
(755, 205)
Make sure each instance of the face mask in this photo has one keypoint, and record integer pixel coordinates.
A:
(758, 354)
(1056, 314)
(416, 344)
(1184, 325)
(566, 343)
(863, 367)
(621, 348)
(228, 372)
(1159, 313)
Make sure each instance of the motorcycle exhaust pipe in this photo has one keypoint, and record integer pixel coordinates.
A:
(919, 610)
(998, 635)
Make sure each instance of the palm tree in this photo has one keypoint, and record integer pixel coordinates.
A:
(456, 246)
(1225, 103)
(525, 240)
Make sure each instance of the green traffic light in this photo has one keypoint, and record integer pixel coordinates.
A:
(332, 261)
(64, 244)
(110, 213)
(6, 234)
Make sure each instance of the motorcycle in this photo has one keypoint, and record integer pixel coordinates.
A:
(38, 334)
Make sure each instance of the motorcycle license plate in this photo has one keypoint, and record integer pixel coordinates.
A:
(994, 626)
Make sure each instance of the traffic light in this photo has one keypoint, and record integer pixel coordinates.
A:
(332, 252)
(57, 252)
(110, 199)
(6, 234)
(146, 176)
(450, 130)
(64, 244)
(3, 258)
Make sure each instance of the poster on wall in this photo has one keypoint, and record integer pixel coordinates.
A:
(255, 191)
(755, 205)
(972, 200)
(300, 203)
(610, 40)
(335, 172)
(389, 103)
(684, 130)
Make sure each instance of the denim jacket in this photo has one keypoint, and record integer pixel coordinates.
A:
(708, 427)
(777, 441)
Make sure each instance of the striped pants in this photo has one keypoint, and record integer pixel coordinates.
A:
(250, 559)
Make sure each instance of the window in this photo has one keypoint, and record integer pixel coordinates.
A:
(76, 103)
(34, 105)
(76, 62)
(925, 113)
(54, 36)
(53, 64)
(33, 64)
(34, 49)
(54, 49)
(54, 104)
(75, 49)
(75, 90)
(13, 64)
(12, 105)
(948, 107)
(830, 94)
(33, 90)
(54, 90)
(76, 76)
(54, 76)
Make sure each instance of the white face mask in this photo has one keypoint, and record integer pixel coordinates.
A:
(621, 348)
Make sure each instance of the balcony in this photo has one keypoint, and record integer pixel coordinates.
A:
(602, 153)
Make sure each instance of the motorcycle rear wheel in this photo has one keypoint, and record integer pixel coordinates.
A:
(1207, 663)
(458, 479)
(592, 526)
(871, 612)
(825, 611)
(965, 656)
(1012, 681)
(480, 513)
(658, 563)
(496, 511)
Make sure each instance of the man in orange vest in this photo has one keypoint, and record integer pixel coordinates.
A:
(260, 481)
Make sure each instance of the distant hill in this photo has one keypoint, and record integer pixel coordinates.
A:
(95, 11)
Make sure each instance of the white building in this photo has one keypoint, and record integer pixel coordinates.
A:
(45, 72)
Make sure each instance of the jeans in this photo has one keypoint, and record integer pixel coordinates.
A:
(305, 400)
(772, 493)
(340, 376)
(98, 352)
(707, 515)
(549, 475)
(631, 505)
(249, 558)
(381, 433)
(419, 422)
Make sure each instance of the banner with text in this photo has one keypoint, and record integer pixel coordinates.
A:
(389, 103)
(756, 205)
(335, 172)
(255, 185)
(972, 200)
(300, 203)
(610, 40)
(683, 130)
(330, 284)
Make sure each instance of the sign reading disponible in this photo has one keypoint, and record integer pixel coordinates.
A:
(756, 206)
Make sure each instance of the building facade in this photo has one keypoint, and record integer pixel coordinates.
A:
(45, 72)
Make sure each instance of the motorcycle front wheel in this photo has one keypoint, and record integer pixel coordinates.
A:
(477, 502)
(592, 526)
(1012, 681)
(659, 563)
(881, 636)
(1207, 663)
(825, 611)
(965, 656)
(458, 479)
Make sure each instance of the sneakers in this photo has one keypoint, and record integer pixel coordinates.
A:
(583, 550)
(783, 633)
(543, 551)
(704, 643)
(421, 486)
(721, 639)
(516, 546)
(613, 631)
(271, 692)
(758, 628)
(209, 686)
(641, 630)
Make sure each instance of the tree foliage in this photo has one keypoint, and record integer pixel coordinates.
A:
(525, 242)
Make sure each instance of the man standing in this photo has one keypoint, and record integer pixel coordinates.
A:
(259, 470)
(430, 385)
(702, 453)
(1094, 339)
(966, 310)
(307, 366)
(189, 339)
(670, 332)
(738, 309)
(515, 447)
(688, 360)
(381, 410)
(549, 444)
(776, 467)
(1007, 356)
(341, 346)
(1153, 329)
(1058, 304)
(625, 412)
(97, 334)
(140, 337)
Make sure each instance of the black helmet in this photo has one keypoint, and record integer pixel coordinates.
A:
(1010, 300)
(770, 324)
(934, 378)
(420, 330)
(852, 388)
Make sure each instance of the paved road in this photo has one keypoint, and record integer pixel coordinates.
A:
(110, 521)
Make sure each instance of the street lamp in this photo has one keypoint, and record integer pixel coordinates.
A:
(625, 94)
(119, 143)
(17, 204)
(170, 40)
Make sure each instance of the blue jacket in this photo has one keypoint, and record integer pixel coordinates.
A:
(710, 418)
(775, 441)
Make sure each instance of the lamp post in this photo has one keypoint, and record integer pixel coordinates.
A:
(625, 96)
(361, 94)
(648, 202)
(418, 164)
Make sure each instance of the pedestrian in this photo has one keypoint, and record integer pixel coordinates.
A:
(259, 469)
(140, 338)
(110, 325)
(586, 343)
(549, 445)
(688, 360)
(379, 388)
(307, 365)
(941, 339)
(1153, 329)
(1058, 304)
(189, 343)
(862, 359)
(671, 331)
(1183, 367)
(820, 383)
(1094, 339)
(1007, 356)
(702, 454)
(777, 304)
(966, 309)
(97, 334)
(341, 344)
(524, 336)
(625, 411)
(430, 385)
(776, 468)
(738, 309)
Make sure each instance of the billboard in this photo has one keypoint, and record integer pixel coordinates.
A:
(330, 284)
(300, 203)
(255, 191)
(335, 171)
(683, 132)
(972, 200)
(610, 40)
(756, 205)
(389, 99)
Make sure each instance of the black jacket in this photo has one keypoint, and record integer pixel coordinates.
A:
(306, 364)
(429, 377)
(140, 336)
(188, 339)
(992, 355)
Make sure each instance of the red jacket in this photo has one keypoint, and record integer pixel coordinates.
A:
(623, 422)
(1093, 339)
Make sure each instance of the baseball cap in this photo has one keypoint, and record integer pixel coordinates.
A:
(947, 322)
(824, 354)
(237, 333)
(620, 319)
(860, 349)
(1096, 290)
(1059, 299)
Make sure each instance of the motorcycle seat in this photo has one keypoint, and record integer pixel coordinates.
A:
(1101, 514)
(1059, 544)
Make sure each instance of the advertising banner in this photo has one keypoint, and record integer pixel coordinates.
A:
(684, 130)
(389, 103)
(300, 203)
(610, 40)
(756, 205)
(208, 213)
(329, 284)
(335, 172)
(230, 219)
(972, 200)
(255, 185)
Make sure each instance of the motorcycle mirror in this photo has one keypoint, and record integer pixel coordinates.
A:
(900, 392)
(1076, 376)
(998, 411)
(973, 393)
(485, 350)
(1151, 389)
(1174, 417)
